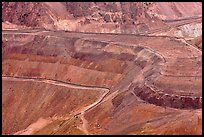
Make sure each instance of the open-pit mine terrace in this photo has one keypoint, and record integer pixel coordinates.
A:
(56, 73)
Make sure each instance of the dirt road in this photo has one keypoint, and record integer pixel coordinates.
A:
(84, 126)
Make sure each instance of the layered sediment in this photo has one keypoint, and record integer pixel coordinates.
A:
(153, 70)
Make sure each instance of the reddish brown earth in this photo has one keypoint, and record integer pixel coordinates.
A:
(59, 82)
(109, 17)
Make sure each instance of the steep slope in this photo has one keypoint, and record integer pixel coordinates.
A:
(114, 17)
(102, 68)
(152, 71)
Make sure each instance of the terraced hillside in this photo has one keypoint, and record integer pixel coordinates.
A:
(158, 76)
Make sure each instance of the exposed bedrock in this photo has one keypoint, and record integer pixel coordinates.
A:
(168, 100)
(101, 63)
(108, 17)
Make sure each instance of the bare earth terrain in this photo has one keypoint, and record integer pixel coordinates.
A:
(81, 68)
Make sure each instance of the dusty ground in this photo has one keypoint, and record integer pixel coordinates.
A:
(101, 17)
(62, 82)
(143, 81)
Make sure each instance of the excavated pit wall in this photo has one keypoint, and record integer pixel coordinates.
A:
(84, 50)
(160, 97)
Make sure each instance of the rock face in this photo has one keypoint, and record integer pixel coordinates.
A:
(114, 17)
(59, 82)
(156, 77)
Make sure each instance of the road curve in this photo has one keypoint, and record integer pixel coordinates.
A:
(84, 126)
